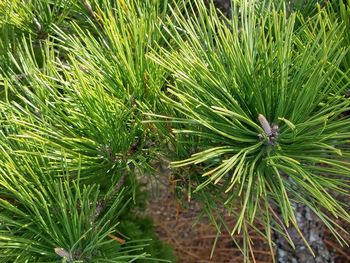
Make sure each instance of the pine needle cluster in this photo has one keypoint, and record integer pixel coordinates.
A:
(252, 110)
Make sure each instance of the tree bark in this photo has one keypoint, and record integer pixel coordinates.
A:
(313, 230)
(223, 5)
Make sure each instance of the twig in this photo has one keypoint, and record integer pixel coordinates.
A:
(339, 250)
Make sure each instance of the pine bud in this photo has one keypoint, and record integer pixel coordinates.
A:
(63, 253)
(265, 124)
(38, 26)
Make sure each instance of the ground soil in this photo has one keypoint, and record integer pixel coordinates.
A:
(193, 239)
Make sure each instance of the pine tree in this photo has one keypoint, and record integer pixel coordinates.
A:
(72, 141)
(252, 110)
(259, 118)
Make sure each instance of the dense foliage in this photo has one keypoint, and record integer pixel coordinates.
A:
(252, 110)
